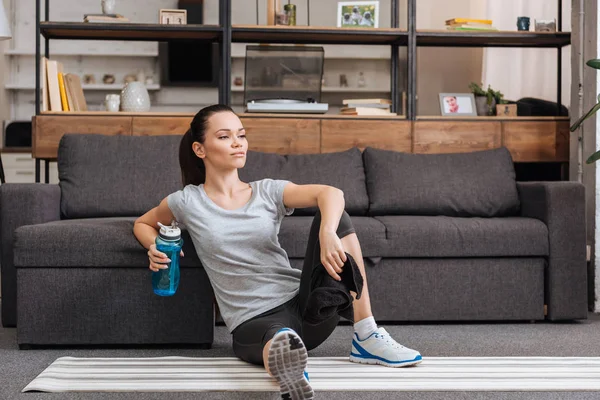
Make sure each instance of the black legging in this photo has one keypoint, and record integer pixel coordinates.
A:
(250, 337)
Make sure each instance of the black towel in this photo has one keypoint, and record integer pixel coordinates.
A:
(329, 296)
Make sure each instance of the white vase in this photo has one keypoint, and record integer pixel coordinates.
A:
(135, 98)
(109, 6)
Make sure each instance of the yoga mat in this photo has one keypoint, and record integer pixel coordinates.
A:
(187, 374)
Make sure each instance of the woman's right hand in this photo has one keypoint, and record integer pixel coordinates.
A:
(158, 260)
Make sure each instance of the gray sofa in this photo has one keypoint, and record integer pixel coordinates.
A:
(445, 237)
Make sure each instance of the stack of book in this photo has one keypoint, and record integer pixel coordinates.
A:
(467, 24)
(367, 107)
(105, 18)
(60, 91)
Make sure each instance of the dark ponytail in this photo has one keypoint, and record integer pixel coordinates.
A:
(193, 171)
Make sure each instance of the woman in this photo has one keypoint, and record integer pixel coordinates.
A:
(234, 227)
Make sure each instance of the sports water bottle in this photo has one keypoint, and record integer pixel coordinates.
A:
(168, 241)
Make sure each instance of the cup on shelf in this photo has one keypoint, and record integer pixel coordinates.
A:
(523, 23)
(112, 102)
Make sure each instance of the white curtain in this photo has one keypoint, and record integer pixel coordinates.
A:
(526, 72)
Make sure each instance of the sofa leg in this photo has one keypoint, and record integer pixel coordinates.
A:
(532, 321)
(25, 347)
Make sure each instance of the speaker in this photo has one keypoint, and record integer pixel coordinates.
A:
(195, 10)
(17, 134)
(189, 63)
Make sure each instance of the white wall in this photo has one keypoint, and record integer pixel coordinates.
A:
(527, 72)
(4, 100)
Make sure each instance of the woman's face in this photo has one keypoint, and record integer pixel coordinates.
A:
(225, 143)
(451, 101)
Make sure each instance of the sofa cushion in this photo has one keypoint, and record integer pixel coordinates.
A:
(343, 170)
(102, 175)
(439, 236)
(89, 242)
(109, 242)
(474, 184)
(293, 235)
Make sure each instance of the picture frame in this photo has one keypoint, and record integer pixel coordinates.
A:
(172, 17)
(457, 104)
(358, 14)
(545, 25)
(506, 110)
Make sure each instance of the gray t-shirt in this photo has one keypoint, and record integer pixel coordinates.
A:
(248, 269)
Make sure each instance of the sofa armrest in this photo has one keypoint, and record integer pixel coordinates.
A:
(561, 206)
(21, 204)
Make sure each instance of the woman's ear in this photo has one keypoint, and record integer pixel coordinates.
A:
(198, 149)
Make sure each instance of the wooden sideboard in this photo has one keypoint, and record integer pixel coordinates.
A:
(535, 139)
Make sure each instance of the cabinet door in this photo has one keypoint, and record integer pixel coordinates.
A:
(283, 135)
(456, 136)
(47, 130)
(340, 135)
(150, 126)
(531, 141)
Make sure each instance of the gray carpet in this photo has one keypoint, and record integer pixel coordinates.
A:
(582, 338)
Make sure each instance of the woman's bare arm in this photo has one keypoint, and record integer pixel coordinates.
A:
(145, 227)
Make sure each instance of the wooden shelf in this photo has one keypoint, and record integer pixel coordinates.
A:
(84, 52)
(191, 115)
(317, 35)
(8, 150)
(325, 89)
(133, 32)
(491, 118)
(116, 114)
(528, 139)
(96, 87)
(445, 38)
(301, 116)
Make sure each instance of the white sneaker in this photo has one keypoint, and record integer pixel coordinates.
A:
(288, 358)
(380, 348)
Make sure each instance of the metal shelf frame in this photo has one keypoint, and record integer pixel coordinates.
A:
(225, 34)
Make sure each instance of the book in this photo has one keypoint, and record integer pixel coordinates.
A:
(470, 28)
(74, 87)
(44, 79)
(106, 20)
(467, 20)
(364, 111)
(103, 15)
(53, 87)
(63, 93)
(370, 105)
(366, 101)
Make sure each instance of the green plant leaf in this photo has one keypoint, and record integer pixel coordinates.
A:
(594, 63)
(593, 158)
(580, 121)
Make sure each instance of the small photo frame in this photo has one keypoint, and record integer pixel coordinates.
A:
(358, 14)
(545, 25)
(506, 110)
(172, 17)
(457, 104)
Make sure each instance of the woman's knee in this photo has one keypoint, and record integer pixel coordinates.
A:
(345, 226)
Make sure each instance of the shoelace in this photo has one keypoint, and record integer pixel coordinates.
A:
(389, 341)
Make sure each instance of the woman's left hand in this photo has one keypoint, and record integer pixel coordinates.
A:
(333, 255)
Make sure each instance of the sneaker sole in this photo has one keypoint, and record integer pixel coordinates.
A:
(288, 358)
(375, 361)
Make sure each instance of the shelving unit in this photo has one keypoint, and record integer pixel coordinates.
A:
(411, 38)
